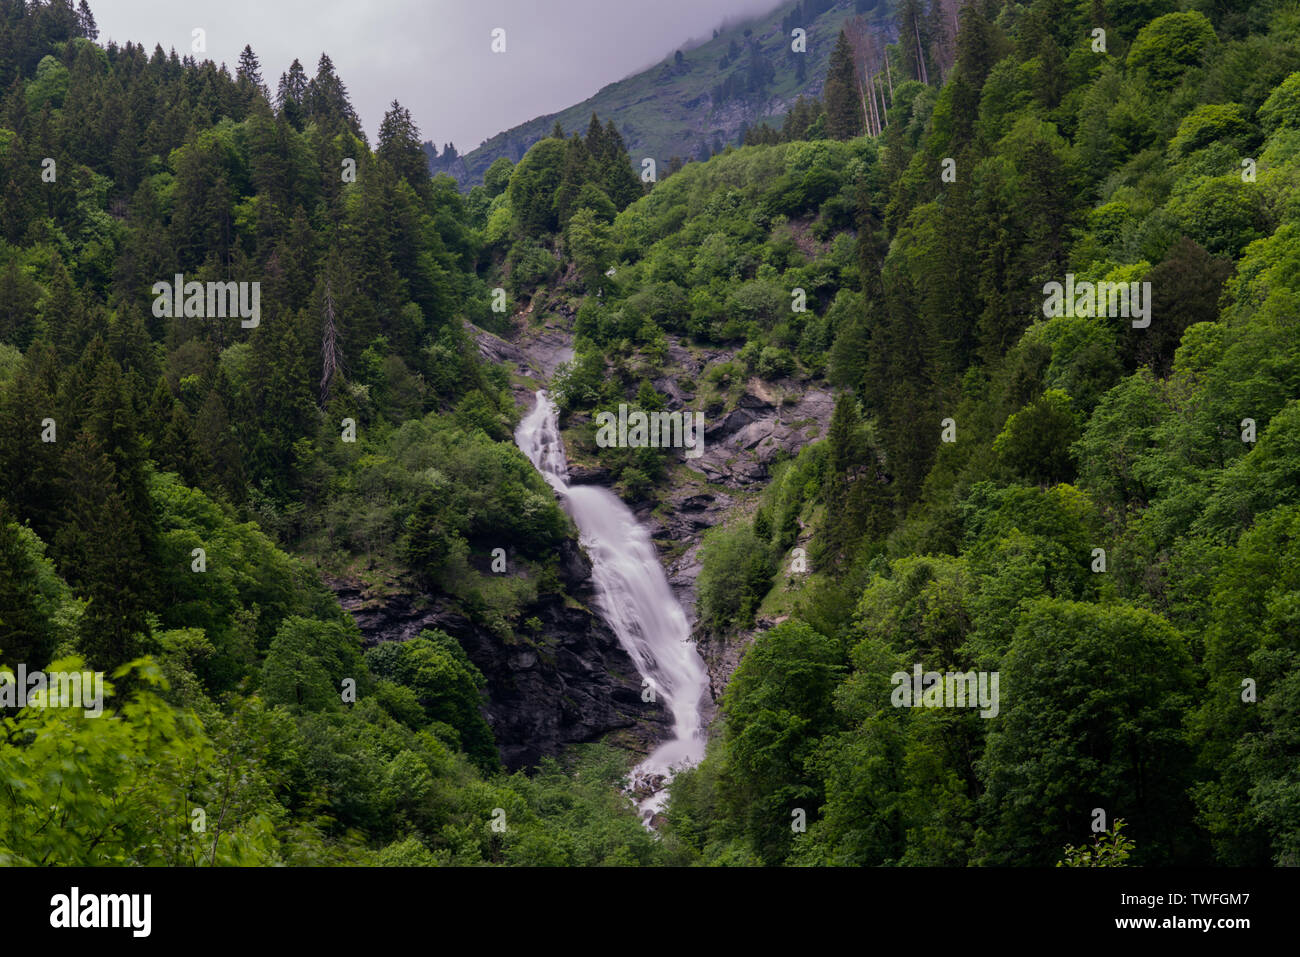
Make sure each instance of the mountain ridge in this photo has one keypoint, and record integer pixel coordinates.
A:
(697, 100)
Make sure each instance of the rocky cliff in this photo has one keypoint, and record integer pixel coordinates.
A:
(575, 684)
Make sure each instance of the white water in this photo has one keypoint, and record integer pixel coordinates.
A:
(634, 597)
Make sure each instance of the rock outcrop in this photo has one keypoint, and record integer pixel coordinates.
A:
(579, 684)
(576, 684)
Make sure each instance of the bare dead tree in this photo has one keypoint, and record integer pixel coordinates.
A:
(864, 42)
(871, 100)
(920, 52)
(328, 347)
(944, 43)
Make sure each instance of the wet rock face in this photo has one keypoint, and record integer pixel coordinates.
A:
(589, 474)
(741, 446)
(574, 683)
(535, 351)
(740, 449)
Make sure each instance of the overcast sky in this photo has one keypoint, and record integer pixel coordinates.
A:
(435, 55)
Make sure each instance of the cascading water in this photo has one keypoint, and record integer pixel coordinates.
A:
(633, 595)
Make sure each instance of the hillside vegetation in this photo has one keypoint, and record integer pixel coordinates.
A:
(171, 489)
(1111, 525)
(1104, 515)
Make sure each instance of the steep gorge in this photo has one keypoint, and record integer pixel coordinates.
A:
(770, 420)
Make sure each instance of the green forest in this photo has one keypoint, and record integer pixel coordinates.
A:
(1104, 514)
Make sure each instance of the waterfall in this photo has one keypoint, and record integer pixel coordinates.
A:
(634, 598)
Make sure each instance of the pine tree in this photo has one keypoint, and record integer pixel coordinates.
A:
(578, 170)
(249, 73)
(86, 21)
(617, 178)
(399, 145)
(29, 467)
(176, 451)
(291, 96)
(112, 418)
(17, 305)
(327, 103)
(856, 496)
(844, 116)
(801, 116)
(102, 553)
(595, 141)
(217, 451)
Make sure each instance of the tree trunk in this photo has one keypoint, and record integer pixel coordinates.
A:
(920, 53)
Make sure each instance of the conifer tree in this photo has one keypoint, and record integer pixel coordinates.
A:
(291, 95)
(102, 552)
(26, 634)
(399, 145)
(326, 100)
(249, 73)
(578, 169)
(844, 118)
(616, 176)
(86, 21)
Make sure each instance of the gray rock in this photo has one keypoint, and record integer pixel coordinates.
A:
(574, 684)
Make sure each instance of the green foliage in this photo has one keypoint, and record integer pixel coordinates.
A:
(176, 525)
(533, 184)
(775, 363)
(735, 575)
(1035, 444)
(589, 246)
(309, 662)
(497, 178)
(1135, 688)
(37, 611)
(1109, 849)
(49, 86)
(446, 685)
(778, 702)
(1094, 721)
(844, 118)
(1282, 108)
(119, 789)
(1168, 45)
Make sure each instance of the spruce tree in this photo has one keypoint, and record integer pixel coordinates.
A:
(86, 21)
(399, 145)
(102, 553)
(291, 94)
(249, 73)
(844, 119)
(26, 632)
(617, 178)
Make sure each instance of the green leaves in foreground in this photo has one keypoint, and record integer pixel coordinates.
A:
(122, 788)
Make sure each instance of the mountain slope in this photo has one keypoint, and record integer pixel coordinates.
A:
(695, 105)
